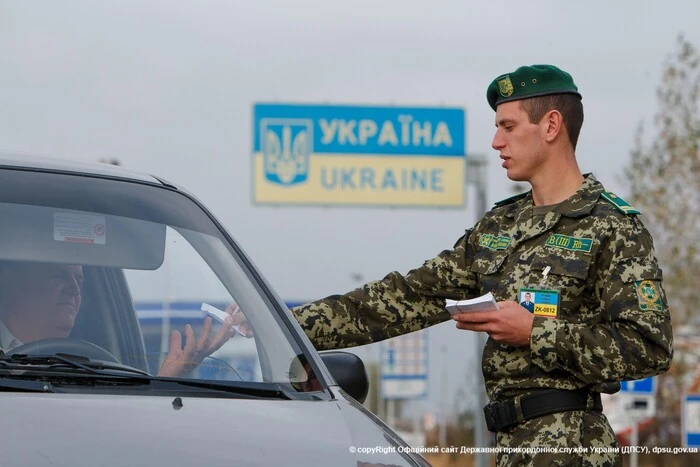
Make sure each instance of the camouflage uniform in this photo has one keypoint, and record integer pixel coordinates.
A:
(613, 321)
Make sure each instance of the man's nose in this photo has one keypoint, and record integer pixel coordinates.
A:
(497, 142)
(72, 286)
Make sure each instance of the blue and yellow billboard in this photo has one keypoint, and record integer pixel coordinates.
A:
(358, 155)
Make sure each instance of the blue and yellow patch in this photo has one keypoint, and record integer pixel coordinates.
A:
(649, 296)
(569, 243)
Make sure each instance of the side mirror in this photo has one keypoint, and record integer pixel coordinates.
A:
(349, 372)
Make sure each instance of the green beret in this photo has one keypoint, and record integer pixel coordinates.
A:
(530, 81)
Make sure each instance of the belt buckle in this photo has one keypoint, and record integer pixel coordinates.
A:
(491, 416)
(498, 416)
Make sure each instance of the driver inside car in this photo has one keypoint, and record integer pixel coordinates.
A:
(42, 300)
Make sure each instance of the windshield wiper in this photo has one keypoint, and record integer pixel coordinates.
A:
(61, 361)
(63, 365)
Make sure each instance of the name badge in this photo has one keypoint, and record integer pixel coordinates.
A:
(540, 302)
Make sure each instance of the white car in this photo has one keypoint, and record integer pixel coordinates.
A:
(93, 397)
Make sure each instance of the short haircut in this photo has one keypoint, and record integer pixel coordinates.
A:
(568, 105)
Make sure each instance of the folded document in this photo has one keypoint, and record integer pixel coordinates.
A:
(484, 303)
(220, 316)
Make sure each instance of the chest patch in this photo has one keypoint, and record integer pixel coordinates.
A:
(494, 242)
(569, 243)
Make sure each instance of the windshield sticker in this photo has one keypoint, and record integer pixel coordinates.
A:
(79, 228)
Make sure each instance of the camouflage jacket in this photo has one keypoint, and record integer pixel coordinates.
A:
(613, 321)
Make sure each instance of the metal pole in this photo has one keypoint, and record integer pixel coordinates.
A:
(634, 441)
(165, 330)
(477, 176)
(391, 413)
(417, 427)
(442, 441)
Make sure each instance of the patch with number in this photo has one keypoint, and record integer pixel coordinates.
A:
(649, 296)
(569, 243)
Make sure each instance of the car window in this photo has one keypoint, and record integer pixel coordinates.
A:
(172, 297)
(146, 277)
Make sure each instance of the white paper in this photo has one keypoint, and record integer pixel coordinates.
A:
(79, 228)
(484, 303)
(220, 316)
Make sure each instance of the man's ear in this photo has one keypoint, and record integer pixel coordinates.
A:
(552, 125)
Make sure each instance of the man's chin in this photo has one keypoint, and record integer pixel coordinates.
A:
(65, 325)
(516, 177)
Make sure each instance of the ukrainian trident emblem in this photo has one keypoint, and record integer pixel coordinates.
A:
(286, 146)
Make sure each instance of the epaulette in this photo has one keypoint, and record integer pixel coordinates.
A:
(512, 199)
(621, 205)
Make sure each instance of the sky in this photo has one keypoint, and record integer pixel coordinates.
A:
(167, 87)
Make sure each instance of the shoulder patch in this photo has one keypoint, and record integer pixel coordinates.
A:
(512, 199)
(621, 205)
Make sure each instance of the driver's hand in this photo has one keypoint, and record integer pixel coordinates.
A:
(239, 320)
(181, 361)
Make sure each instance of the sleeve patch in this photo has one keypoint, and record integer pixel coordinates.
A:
(649, 296)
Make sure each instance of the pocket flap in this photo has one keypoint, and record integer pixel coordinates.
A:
(572, 264)
(488, 263)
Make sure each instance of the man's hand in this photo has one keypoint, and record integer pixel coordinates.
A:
(511, 324)
(239, 320)
(180, 360)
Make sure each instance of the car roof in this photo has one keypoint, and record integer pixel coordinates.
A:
(24, 161)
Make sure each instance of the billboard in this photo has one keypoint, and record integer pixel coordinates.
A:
(646, 386)
(404, 366)
(358, 155)
(690, 420)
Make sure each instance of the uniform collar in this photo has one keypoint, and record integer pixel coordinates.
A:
(579, 204)
(585, 198)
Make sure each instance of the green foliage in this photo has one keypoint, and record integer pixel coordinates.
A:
(664, 179)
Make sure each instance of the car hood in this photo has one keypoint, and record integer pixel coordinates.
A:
(107, 430)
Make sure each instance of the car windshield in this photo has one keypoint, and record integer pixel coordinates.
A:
(135, 269)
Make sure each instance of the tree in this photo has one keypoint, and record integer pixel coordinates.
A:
(664, 180)
(664, 177)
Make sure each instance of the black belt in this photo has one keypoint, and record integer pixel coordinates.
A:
(508, 413)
